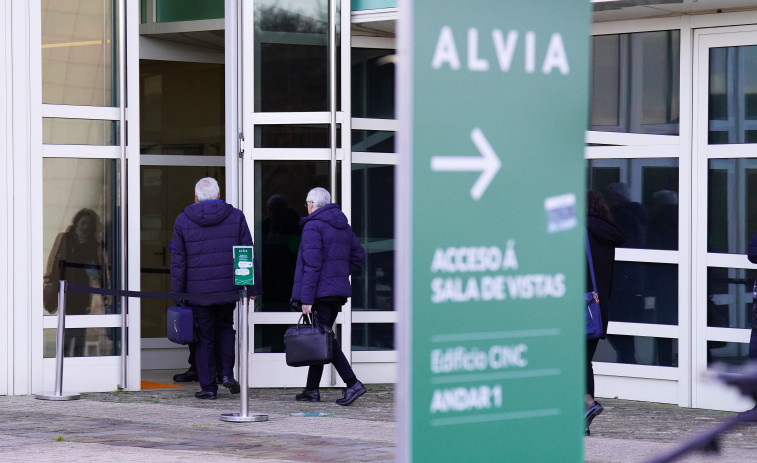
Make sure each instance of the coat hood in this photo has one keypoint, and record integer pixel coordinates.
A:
(331, 214)
(208, 213)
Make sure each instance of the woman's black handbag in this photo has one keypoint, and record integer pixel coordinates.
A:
(308, 344)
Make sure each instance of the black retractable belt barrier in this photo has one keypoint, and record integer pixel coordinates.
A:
(744, 378)
(232, 296)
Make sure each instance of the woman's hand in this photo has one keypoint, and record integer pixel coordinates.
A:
(306, 308)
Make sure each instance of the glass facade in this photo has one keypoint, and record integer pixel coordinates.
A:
(643, 198)
(373, 223)
(284, 185)
(79, 53)
(165, 192)
(644, 293)
(293, 136)
(84, 342)
(731, 210)
(635, 82)
(373, 83)
(81, 232)
(172, 122)
(729, 297)
(59, 131)
(638, 350)
(291, 56)
(81, 241)
(733, 95)
(729, 353)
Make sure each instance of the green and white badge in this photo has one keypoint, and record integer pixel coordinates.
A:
(243, 266)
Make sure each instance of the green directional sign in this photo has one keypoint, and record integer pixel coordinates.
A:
(493, 99)
(243, 265)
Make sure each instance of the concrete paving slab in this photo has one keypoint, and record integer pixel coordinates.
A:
(170, 425)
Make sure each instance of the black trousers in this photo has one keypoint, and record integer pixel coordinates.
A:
(591, 348)
(214, 349)
(326, 313)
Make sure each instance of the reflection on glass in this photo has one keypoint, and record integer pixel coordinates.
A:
(57, 131)
(731, 209)
(182, 108)
(291, 72)
(635, 82)
(373, 141)
(373, 83)
(293, 136)
(733, 95)
(80, 233)
(730, 353)
(643, 198)
(373, 336)
(605, 81)
(188, 10)
(83, 342)
(269, 339)
(165, 192)
(281, 189)
(638, 350)
(644, 293)
(79, 53)
(373, 223)
(729, 297)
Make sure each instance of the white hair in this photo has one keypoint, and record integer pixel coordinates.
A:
(207, 189)
(319, 196)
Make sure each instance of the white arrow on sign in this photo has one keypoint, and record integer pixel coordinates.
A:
(488, 163)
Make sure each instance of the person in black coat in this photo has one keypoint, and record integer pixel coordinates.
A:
(604, 236)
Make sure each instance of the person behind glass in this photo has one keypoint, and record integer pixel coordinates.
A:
(751, 415)
(329, 252)
(202, 261)
(79, 245)
(604, 237)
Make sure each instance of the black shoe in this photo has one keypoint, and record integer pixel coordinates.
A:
(749, 416)
(592, 412)
(351, 394)
(210, 395)
(306, 395)
(186, 377)
(231, 384)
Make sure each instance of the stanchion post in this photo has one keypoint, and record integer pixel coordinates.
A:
(244, 341)
(60, 345)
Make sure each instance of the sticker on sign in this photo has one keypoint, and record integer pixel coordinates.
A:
(561, 212)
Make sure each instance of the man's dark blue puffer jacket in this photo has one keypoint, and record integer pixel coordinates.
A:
(329, 252)
(202, 258)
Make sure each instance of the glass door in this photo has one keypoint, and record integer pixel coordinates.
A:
(83, 185)
(724, 207)
(289, 112)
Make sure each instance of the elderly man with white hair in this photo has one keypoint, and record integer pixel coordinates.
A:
(202, 261)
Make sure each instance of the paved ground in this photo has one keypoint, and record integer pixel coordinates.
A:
(170, 425)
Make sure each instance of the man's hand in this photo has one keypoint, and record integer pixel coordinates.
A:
(306, 308)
